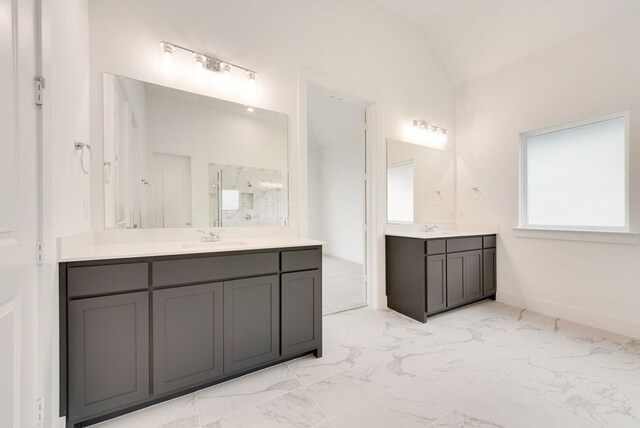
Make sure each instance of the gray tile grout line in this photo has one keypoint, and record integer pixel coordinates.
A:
(511, 371)
(589, 377)
(576, 328)
(197, 400)
(421, 374)
(312, 398)
(258, 402)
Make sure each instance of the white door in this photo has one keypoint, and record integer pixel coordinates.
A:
(18, 214)
(172, 190)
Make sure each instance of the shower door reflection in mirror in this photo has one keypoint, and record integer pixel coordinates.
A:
(245, 196)
(175, 159)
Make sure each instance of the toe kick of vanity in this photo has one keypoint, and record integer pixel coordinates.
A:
(425, 277)
(137, 331)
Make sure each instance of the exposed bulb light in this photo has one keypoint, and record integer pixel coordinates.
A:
(166, 56)
(224, 69)
(199, 65)
(252, 76)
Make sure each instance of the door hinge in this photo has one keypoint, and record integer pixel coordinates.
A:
(40, 85)
(364, 176)
(40, 411)
(39, 252)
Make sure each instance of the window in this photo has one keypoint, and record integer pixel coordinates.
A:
(230, 200)
(574, 177)
(400, 193)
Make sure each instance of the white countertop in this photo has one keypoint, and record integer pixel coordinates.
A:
(444, 231)
(169, 248)
(435, 235)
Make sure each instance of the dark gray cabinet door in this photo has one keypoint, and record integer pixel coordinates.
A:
(187, 336)
(464, 277)
(108, 353)
(436, 283)
(455, 279)
(301, 311)
(473, 275)
(489, 271)
(251, 322)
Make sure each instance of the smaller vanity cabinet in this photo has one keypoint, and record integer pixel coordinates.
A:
(139, 332)
(426, 277)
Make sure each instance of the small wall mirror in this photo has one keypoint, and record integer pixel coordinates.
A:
(420, 184)
(176, 159)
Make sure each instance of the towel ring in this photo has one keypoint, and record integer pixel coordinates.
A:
(83, 148)
(475, 195)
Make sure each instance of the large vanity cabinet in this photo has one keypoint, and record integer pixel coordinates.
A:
(134, 332)
(428, 276)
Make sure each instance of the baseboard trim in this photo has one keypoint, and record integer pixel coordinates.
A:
(572, 313)
(343, 256)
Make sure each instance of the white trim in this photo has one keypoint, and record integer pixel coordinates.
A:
(522, 193)
(578, 235)
(375, 150)
(571, 313)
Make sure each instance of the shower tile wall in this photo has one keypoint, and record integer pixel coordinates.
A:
(257, 197)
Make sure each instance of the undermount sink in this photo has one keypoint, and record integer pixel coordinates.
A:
(214, 244)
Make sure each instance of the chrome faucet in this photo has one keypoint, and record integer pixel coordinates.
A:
(429, 229)
(211, 236)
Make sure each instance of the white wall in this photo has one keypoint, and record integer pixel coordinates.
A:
(594, 73)
(356, 41)
(336, 160)
(65, 62)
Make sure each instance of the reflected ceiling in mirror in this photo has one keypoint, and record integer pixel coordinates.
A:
(175, 159)
(420, 184)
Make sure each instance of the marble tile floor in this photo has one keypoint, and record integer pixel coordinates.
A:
(484, 365)
(343, 285)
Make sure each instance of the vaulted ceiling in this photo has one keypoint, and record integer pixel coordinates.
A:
(476, 37)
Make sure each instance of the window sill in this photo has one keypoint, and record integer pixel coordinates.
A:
(631, 238)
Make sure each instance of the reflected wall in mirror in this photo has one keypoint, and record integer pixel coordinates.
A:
(420, 184)
(176, 159)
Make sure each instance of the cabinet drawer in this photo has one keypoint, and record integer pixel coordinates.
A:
(92, 280)
(301, 260)
(464, 244)
(436, 246)
(205, 269)
(489, 241)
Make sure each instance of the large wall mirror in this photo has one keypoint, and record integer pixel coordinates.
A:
(420, 184)
(175, 159)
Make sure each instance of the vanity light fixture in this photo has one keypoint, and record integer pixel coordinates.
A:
(431, 132)
(250, 109)
(204, 62)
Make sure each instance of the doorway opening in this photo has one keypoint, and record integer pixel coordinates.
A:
(337, 201)
(172, 190)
